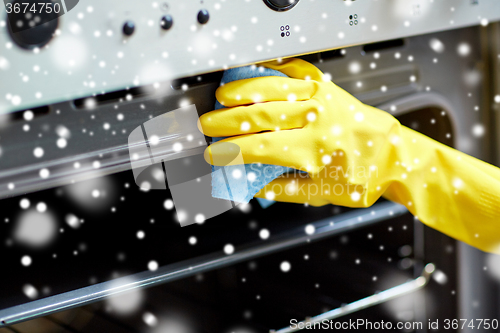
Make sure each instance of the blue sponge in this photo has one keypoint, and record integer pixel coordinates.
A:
(254, 172)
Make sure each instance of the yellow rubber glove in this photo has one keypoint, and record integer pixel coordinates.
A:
(353, 153)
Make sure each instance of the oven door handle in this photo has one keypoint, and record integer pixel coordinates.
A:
(378, 298)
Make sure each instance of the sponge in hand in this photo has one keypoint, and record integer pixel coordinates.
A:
(258, 175)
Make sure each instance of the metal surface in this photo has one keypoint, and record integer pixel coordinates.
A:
(381, 297)
(478, 292)
(449, 79)
(89, 54)
(323, 228)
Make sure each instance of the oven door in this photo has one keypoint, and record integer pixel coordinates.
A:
(266, 268)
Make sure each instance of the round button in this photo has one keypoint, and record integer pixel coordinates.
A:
(166, 22)
(280, 5)
(26, 33)
(128, 28)
(203, 16)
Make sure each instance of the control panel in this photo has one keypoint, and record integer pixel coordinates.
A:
(102, 46)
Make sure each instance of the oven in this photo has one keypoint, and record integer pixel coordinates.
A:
(85, 249)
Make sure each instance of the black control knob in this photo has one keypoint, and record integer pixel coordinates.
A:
(280, 5)
(166, 22)
(30, 31)
(203, 16)
(128, 28)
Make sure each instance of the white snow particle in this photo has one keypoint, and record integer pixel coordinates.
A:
(354, 67)
(4, 63)
(311, 116)
(90, 103)
(26, 261)
(168, 204)
(177, 146)
(463, 49)
(181, 215)
(458, 183)
(28, 115)
(310, 229)
(62, 143)
(63, 131)
(228, 249)
(140, 234)
(270, 195)
(41, 207)
(24, 203)
(355, 196)
(145, 186)
(436, 45)
(478, 130)
(337, 130)
(15, 100)
(154, 140)
(38, 152)
(152, 265)
(440, 277)
(359, 116)
(44, 173)
(285, 266)
(150, 319)
(251, 176)
(245, 126)
(30, 291)
(72, 221)
(264, 234)
(199, 218)
(236, 173)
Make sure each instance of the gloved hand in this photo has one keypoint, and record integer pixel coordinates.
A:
(353, 153)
